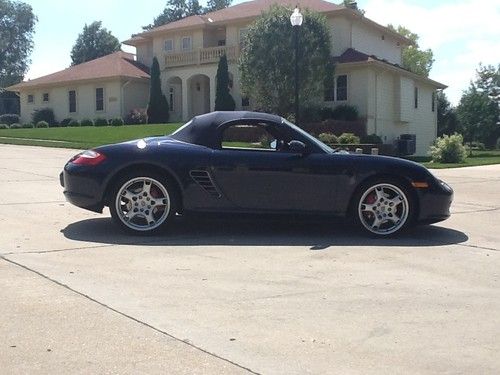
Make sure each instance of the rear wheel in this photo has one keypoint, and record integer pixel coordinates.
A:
(384, 208)
(142, 203)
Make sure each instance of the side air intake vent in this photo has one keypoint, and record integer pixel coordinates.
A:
(203, 179)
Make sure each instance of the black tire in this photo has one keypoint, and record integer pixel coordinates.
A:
(383, 207)
(143, 210)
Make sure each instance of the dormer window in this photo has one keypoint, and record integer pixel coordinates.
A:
(383, 37)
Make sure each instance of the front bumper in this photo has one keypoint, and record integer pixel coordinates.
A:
(435, 203)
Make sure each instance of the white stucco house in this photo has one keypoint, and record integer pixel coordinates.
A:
(106, 87)
(368, 72)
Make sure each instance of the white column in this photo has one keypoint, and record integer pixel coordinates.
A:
(213, 85)
(185, 93)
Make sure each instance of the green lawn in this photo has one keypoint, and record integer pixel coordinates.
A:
(477, 158)
(83, 137)
(88, 137)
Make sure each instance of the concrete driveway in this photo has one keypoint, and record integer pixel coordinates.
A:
(242, 296)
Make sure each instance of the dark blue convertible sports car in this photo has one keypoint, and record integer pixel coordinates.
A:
(249, 162)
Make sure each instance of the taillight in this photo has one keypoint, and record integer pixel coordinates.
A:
(89, 157)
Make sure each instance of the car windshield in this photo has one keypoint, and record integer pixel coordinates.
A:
(309, 137)
(181, 128)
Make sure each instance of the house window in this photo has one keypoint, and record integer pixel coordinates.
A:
(99, 99)
(186, 43)
(338, 91)
(31, 99)
(72, 101)
(341, 89)
(45, 97)
(169, 45)
(416, 97)
(433, 104)
(245, 102)
(221, 42)
(171, 98)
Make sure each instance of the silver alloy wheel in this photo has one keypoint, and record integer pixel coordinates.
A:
(142, 203)
(383, 209)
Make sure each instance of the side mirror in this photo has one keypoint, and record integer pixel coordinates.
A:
(297, 147)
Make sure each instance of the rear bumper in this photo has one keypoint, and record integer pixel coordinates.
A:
(81, 191)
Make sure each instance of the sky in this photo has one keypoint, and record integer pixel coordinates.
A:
(461, 33)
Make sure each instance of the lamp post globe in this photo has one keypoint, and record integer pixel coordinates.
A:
(296, 20)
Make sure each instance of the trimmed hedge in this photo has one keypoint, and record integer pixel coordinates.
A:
(449, 149)
(348, 138)
(9, 119)
(118, 121)
(42, 124)
(100, 122)
(4, 126)
(65, 122)
(328, 138)
(28, 126)
(87, 122)
(74, 123)
(16, 126)
(372, 138)
(44, 114)
(136, 117)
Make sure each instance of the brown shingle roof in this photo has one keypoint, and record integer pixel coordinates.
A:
(118, 64)
(253, 9)
(244, 10)
(351, 55)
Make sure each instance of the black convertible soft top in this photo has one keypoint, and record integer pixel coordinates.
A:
(202, 130)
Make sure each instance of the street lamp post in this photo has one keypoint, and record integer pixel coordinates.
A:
(296, 20)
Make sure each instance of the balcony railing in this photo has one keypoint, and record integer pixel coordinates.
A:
(201, 56)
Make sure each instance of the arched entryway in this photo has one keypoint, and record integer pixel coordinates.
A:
(174, 97)
(198, 94)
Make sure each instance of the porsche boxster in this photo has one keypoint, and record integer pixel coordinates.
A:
(250, 162)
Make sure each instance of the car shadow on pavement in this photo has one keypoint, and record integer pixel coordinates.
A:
(318, 234)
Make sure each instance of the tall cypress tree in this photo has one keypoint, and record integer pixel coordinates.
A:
(223, 99)
(158, 106)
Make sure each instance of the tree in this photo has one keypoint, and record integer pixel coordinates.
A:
(158, 106)
(17, 23)
(414, 59)
(193, 7)
(488, 81)
(95, 41)
(353, 4)
(223, 99)
(178, 9)
(447, 122)
(478, 116)
(213, 5)
(267, 63)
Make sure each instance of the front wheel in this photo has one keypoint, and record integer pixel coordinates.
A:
(142, 204)
(384, 208)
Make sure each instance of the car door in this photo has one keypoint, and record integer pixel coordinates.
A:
(256, 176)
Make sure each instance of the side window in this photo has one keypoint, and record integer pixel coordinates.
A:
(248, 136)
(342, 88)
(72, 101)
